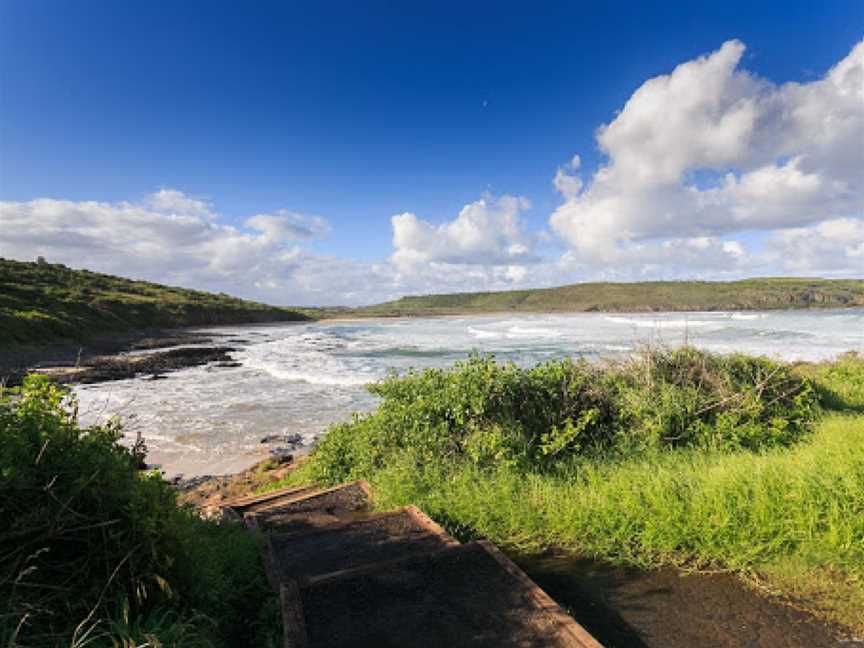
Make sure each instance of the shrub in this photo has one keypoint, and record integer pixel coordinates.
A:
(486, 412)
(90, 545)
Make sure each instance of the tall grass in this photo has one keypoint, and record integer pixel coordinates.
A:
(734, 510)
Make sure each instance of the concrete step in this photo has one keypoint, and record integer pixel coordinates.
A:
(460, 596)
(353, 543)
(312, 510)
(235, 508)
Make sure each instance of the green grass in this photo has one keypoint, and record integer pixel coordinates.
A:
(786, 512)
(95, 552)
(44, 303)
(748, 294)
(734, 510)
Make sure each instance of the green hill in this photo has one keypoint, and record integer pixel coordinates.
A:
(42, 303)
(748, 294)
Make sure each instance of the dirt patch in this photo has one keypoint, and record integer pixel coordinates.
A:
(627, 607)
(457, 597)
(209, 493)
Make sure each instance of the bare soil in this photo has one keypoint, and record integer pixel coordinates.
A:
(209, 493)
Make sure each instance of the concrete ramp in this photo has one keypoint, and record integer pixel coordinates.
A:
(312, 510)
(460, 596)
(354, 543)
(237, 507)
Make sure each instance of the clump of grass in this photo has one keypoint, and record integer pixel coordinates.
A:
(95, 552)
(839, 382)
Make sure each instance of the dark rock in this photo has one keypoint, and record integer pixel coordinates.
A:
(186, 484)
(281, 455)
(162, 342)
(121, 367)
(292, 440)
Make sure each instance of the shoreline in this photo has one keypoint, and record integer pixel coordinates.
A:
(150, 355)
(503, 313)
(69, 354)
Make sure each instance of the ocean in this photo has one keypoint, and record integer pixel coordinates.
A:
(295, 380)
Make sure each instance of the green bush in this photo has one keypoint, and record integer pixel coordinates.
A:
(94, 551)
(491, 413)
(839, 383)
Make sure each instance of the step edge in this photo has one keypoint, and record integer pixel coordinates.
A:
(336, 526)
(312, 581)
(249, 500)
(567, 625)
(294, 633)
(364, 486)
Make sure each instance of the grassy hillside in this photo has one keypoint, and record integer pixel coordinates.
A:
(44, 303)
(749, 294)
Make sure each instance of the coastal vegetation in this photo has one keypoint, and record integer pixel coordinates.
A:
(676, 457)
(673, 457)
(95, 552)
(748, 294)
(43, 303)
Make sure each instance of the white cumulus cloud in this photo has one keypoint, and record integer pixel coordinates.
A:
(487, 232)
(167, 237)
(711, 151)
(170, 239)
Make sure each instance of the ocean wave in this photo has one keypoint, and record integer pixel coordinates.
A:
(746, 316)
(528, 332)
(658, 322)
(483, 335)
(337, 377)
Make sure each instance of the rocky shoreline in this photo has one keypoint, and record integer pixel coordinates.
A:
(149, 353)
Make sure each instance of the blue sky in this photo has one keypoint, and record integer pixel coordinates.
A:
(356, 112)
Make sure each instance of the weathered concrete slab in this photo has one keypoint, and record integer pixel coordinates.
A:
(313, 510)
(465, 595)
(354, 543)
(262, 500)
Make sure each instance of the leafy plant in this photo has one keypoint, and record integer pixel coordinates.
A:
(486, 412)
(93, 550)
